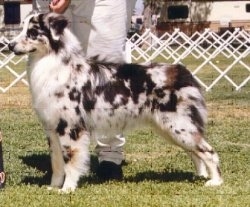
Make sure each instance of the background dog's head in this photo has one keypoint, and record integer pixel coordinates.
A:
(41, 33)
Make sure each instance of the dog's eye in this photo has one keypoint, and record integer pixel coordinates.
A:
(32, 33)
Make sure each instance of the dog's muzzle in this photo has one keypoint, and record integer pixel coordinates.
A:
(11, 46)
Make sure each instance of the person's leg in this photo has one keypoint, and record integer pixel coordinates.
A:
(115, 23)
(81, 25)
(101, 27)
(110, 156)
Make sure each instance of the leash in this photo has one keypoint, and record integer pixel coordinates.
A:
(2, 174)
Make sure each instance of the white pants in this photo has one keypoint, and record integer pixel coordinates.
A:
(101, 26)
(110, 149)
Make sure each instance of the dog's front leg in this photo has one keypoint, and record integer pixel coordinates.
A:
(57, 161)
(76, 156)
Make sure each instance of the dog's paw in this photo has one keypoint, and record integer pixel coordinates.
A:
(214, 182)
(203, 174)
(50, 188)
(67, 190)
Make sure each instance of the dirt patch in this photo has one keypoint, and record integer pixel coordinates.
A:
(222, 111)
(17, 97)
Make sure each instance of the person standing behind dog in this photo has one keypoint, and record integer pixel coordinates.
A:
(101, 26)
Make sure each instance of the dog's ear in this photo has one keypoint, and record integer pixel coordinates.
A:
(57, 25)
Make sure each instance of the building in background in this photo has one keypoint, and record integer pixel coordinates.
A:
(195, 15)
(12, 13)
(187, 15)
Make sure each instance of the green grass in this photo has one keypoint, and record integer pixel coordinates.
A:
(156, 174)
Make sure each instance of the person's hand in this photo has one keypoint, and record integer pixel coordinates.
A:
(59, 6)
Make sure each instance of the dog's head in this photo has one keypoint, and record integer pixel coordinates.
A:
(41, 33)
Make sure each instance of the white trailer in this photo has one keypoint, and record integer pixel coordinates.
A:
(12, 13)
(193, 15)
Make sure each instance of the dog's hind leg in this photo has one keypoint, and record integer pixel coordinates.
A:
(76, 157)
(206, 153)
(202, 155)
(183, 132)
(200, 166)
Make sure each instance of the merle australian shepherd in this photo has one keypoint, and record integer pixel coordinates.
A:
(78, 98)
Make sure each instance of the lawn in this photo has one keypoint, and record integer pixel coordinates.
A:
(155, 174)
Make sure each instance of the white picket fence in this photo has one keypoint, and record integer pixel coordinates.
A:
(206, 49)
(206, 53)
(9, 77)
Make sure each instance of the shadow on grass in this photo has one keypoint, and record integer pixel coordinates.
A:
(165, 176)
(41, 162)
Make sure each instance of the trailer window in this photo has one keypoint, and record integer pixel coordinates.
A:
(178, 12)
(247, 7)
(12, 12)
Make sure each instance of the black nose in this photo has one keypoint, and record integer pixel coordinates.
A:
(11, 45)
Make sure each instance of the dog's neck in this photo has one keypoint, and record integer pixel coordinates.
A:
(71, 45)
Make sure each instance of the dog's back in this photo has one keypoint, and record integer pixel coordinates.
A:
(140, 92)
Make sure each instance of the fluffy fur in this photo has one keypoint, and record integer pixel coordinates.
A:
(78, 98)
